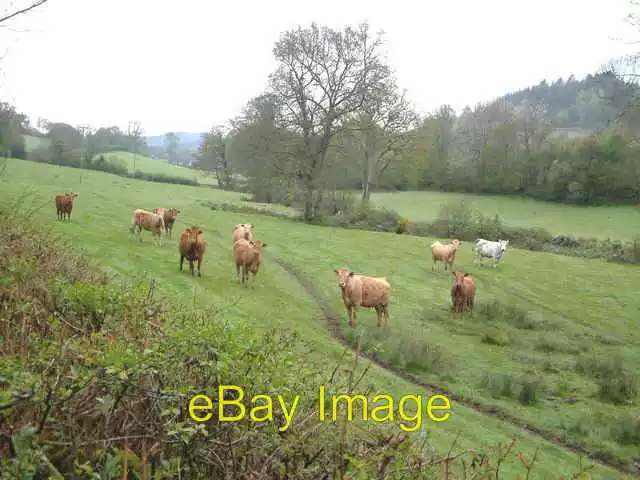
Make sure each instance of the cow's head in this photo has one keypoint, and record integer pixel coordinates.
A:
(343, 276)
(503, 245)
(459, 276)
(192, 234)
(72, 195)
(259, 244)
(456, 243)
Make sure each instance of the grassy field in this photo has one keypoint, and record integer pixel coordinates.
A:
(619, 222)
(149, 165)
(32, 142)
(546, 324)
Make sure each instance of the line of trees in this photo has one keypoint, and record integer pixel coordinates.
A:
(333, 118)
(64, 144)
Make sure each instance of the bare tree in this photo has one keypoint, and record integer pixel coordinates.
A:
(15, 11)
(322, 80)
(171, 147)
(134, 132)
(213, 156)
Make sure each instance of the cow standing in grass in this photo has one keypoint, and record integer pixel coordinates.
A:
(247, 255)
(152, 222)
(488, 249)
(445, 253)
(169, 217)
(64, 205)
(192, 247)
(463, 292)
(361, 291)
(242, 230)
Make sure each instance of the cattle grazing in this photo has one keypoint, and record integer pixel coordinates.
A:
(445, 253)
(242, 230)
(247, 256)
(361, 291)
(488, 249)
(64, 205)
(463, 292)
(144, 219)
(169, 217)
(192, 247)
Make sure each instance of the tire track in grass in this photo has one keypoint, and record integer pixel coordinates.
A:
(334, 326)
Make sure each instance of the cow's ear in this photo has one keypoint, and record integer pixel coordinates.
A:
(351, 274)
(467, 274)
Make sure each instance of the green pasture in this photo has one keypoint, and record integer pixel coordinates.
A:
(32, 142)
(549, 319)
(616, 222)
(149, 165)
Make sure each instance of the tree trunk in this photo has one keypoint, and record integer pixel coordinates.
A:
(308, 204)
(366, 169)
(366, 174)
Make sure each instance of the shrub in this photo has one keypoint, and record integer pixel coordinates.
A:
(526, 389)
(160, 177)
(495, 336)
(615, 385)
(626, 430)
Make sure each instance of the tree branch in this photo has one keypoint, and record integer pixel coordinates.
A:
(35, 4)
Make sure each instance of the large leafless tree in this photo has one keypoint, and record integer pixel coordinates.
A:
(322, 81)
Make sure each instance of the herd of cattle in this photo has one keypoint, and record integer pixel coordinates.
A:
(247, 252)
(356, 290)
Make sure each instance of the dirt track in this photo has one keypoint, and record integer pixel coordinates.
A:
(334, 325)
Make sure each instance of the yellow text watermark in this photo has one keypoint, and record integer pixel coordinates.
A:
(382, 408)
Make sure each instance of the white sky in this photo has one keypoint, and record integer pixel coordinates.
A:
(190, 64)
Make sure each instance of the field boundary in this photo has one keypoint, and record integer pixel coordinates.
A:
(334, 326)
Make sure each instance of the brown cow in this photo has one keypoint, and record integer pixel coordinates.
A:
(64, 205)
(463, 292)
(444, 253)
(192, 247)
(169, 217)
(144, 219)
(360, 291)
(247, 256)
(242, 230)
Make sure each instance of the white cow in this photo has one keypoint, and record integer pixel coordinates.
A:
(489, 249)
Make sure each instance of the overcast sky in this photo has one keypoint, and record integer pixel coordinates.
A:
(188, 65)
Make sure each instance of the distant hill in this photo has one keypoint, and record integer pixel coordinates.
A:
(188, 140)
(578, 107)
